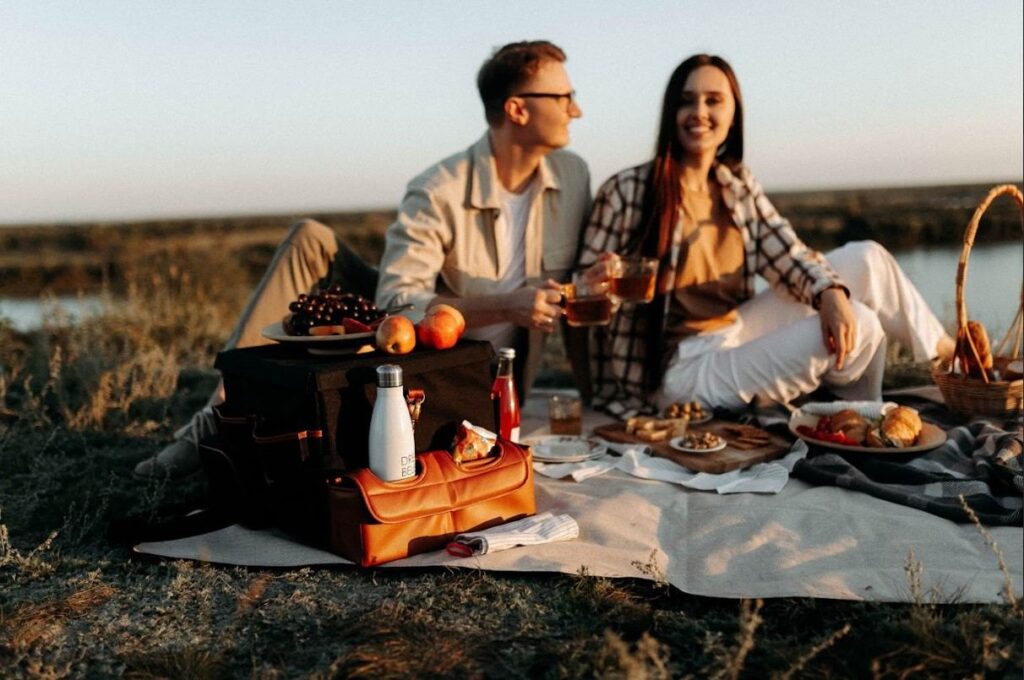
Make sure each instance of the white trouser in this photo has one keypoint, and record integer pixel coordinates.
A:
(775, 349)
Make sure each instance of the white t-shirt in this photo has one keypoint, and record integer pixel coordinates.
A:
(510, 235)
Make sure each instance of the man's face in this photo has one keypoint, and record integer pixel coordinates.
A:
(549, 106)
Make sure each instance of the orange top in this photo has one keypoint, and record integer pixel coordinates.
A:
(709, 278)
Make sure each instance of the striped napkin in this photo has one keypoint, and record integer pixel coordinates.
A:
(542, 528)
(867, 409)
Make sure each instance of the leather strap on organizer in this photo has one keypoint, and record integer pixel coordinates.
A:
(443, 485)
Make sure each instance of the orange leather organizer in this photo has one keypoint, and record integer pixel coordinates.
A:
(373, 521)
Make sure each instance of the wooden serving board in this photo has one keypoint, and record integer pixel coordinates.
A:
(730, 458)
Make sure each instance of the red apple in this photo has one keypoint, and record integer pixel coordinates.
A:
(448, 309)
(439, 331)
(396, 335)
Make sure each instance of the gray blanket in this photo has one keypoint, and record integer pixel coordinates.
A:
(979, 464)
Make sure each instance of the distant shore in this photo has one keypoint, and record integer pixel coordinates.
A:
(65, 258)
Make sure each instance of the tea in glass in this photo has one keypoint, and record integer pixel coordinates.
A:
(566, 414)
(587, 304)
(634, 278)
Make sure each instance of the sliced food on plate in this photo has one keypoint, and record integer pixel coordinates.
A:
(896, 428)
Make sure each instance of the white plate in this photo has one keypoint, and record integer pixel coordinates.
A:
(275, 331)
(677, 444)
(560, 448)
(930, 437)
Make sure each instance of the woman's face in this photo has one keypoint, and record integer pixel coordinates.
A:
(705, 112)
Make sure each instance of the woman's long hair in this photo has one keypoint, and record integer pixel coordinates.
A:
(662, 195)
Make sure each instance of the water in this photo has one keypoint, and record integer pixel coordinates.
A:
(992, 293)
(27, 313)
(993, 288)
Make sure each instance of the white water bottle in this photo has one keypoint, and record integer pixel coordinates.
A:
(392, 448)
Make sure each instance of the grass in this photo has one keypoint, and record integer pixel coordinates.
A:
(80, 405)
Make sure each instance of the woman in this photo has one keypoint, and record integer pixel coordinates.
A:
(706, 336)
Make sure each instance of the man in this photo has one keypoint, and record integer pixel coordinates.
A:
(488, 230)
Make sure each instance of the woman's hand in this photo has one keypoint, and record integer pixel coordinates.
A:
(603, 269)
(535, 306)
(838, 324)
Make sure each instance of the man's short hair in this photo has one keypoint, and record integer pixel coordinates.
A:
(508, 68)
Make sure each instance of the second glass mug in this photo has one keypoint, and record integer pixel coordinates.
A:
(633, 279)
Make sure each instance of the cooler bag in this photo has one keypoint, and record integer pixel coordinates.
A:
(285, 391)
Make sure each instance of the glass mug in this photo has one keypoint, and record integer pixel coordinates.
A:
(587, 302)
(565, 413)
(633, 279)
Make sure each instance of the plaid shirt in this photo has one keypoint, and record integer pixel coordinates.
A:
(771, 249)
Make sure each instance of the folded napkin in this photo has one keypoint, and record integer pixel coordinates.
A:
(542, 528)
(866, 409)
(578, 471)
(768, 477)
(636, 460)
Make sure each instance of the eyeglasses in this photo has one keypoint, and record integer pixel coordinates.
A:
(570, 96)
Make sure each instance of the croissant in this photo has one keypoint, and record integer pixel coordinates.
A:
(979, 338)
(901, 427)
(851, 424)
(469, 445)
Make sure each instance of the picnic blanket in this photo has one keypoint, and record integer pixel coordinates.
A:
(807, 540)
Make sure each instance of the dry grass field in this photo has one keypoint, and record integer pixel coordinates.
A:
(80, 405)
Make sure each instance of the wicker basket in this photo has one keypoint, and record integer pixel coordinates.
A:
(982, 396)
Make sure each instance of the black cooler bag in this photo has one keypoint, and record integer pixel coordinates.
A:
(284, 389)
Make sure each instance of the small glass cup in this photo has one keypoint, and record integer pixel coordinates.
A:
(566, 414)
(587, 302)
(633, 279)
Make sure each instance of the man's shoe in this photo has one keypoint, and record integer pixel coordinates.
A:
(180, 458)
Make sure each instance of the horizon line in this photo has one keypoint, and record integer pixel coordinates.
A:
(285, 212)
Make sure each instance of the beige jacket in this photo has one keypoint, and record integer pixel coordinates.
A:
(443, 242)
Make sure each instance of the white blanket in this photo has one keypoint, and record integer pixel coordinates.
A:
(804, 541)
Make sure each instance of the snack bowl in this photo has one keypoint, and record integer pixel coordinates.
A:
(679, 444)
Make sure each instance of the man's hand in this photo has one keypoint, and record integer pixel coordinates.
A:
(838, 324)
(535, 306)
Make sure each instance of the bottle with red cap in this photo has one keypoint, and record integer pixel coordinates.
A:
(503, 395)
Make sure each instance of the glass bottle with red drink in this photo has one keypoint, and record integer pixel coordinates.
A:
(503, 395)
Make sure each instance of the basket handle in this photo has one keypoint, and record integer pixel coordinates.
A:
(964, 342)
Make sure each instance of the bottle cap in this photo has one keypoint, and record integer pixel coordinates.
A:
(507, 353)
(389, 375)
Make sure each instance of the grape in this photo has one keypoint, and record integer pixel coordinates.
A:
(330, 306)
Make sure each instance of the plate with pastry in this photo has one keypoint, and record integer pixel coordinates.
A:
(558, 448)
(865, 428)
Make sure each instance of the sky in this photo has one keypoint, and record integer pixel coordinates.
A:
(142, 109)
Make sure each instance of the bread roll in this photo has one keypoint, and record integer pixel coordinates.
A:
(979, 338)
(901, 427)
(851, 424)
(874, 439)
